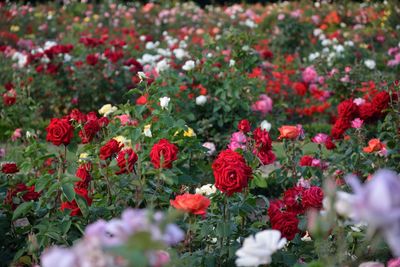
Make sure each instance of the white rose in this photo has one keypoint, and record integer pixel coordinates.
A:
(370, 64)
(107, 110)
(189, 65)
(164, 101)
(206, 190)
(265, 125)
(201, 100)
(147, 130)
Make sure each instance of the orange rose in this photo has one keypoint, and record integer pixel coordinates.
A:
(192, 203)
(288, 132)
(374, 145)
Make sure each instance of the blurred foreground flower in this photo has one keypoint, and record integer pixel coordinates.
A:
(377, 203)
(258, 249)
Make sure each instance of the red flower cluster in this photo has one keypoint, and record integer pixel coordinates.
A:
(27, 193)
(263, 146)
(9, 168)
(368, 111)
(296, 201)
(163, 153)
(126, 160)
(111, 148)
(80, 189)
(231, 172)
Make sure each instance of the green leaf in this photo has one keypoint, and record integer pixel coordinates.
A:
(68, 190)
(82, 204)
(22, 209)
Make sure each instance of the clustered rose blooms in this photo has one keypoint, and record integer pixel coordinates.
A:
(111, 148)
(296, 201)
(310, 161)
(126, 160)
(192, 203)
(28, 194)
(231, 172)
(163, 153)
(9, 168)
(59, 131)
(263, 146)
(368, 111)
(81, 189)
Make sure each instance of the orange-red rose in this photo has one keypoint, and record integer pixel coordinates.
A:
(288, 132)
(191, 203)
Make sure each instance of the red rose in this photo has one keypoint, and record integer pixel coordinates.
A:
(380, 102)
(9, 168)
(340, 127)
(281, 219)
(265, 156)
(142, 100)
(72, 206)
(59, 132)
(293, 199)
(111, 148)
(262, 138)
(92, 59)
(83, 173)
(306, 161)
(30, 194)
(10, 97)
(126, 160)
(300, 88)
(231, 172)
(329, 144)
(191, 203)
(244, 126)
(367, 112)
(77, 115)
(89, 131)
(312, 198)
(163, 151)
(27, 195)
(347, 109)
(103, 121)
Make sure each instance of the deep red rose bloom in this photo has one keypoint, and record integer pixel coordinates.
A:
(28, 194)
(77, 115)
(83, 173)
(72, 206)
(312, 197)
(92, 59)
(191, 203)
(306, 161)
(89, 131)
(126, 160)
(380, 102)
(293, 199)
(340, 127)
(9, 167)
(111, 148)
(265, 156)
(103, 121)
(231, 172)
(10, 97)
(59, 132)
(244, 126)
(367, 112)
(286, 222)
(329, 144)
(262, 138)
(300, 88)
(164, 152)
(347, 109)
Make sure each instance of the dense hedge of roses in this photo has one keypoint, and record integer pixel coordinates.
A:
(174, 135)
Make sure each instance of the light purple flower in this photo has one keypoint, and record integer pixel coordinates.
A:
(60, 257)
(377, 203)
